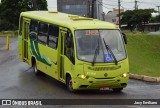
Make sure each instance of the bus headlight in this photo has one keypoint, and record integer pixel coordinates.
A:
(82, 76)
(124, 75)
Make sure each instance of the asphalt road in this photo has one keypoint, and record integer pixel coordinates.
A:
(158, 32)
(17, 81)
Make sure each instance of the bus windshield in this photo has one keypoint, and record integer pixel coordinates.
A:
(91, 45)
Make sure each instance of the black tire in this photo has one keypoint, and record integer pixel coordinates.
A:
(35, 70)
(69, 84)
(117, 90)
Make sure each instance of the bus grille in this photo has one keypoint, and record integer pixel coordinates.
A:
(104, 68)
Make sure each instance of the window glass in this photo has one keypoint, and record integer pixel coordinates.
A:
(101, 45)
(33, 29)
(43, 33)
(34, 26)
(43, 28)
(53, 36)
(69, 47)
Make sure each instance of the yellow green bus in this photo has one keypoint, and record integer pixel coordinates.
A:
(81, 52)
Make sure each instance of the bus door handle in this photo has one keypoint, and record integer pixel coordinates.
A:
(54, 62)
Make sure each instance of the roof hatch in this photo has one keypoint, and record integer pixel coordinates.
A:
(76, 17)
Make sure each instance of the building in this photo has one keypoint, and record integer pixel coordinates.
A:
(81, 7)
(112, 16)
(116, 11)
(152, 27)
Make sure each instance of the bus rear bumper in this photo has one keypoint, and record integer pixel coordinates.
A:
(93, 83)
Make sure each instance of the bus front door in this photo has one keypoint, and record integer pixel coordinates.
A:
(61, 65)
(25, 39)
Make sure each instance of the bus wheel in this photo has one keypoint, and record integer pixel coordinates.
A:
(117, 90)
(69, 84)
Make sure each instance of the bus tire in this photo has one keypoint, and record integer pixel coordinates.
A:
(117, 90)
(69, 84)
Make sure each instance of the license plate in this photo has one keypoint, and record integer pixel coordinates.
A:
(104, 88)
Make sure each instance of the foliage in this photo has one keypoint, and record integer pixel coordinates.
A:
(10, 11)
(155, 19)
(134, 18)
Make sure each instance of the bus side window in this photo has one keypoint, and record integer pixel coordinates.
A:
(33, 29)
(42, 33)
(69, 47)
(53, 36)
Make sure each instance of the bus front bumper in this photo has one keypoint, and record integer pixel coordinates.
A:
(93, 83)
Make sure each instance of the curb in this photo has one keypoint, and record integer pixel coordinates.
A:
(144, 78)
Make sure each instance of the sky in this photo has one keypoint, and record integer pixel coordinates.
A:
(130, 4)
(108, 5)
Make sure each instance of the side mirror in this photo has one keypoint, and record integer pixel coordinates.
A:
(124, 38)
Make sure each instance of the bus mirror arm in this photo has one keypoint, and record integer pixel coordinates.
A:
(124, 38)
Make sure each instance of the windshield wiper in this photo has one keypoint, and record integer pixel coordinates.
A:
(95, 54)
(109, 49)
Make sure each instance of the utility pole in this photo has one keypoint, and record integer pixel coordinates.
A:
(119, 11)
(136, 6)
(158, 9)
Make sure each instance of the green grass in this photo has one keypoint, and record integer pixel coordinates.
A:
(144, 54)
(11, 33)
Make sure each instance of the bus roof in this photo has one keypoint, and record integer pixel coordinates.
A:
(68, 20)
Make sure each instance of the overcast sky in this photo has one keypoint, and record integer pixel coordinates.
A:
(126, 4)
(130, 4)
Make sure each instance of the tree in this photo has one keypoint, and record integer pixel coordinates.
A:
(127, 18)
(134, 18)
(155, 19)
(39, 4)
(10, 11)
